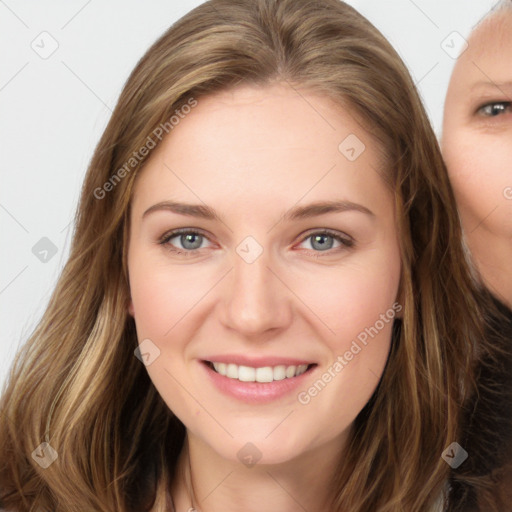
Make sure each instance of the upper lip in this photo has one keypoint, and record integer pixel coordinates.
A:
(257, 362)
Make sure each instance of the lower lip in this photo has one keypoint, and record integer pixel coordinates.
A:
(256, 392)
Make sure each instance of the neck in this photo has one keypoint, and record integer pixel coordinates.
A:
(492, 255)
(206, 482)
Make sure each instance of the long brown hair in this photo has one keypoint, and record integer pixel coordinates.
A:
(77, 385)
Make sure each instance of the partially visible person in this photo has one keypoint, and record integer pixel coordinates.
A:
(477, 147)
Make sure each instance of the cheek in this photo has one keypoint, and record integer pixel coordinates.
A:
(356, 304)
(353, 295)
(153, 303)
(359, 309)
(162, 296)
(479, 169)
(350, 301)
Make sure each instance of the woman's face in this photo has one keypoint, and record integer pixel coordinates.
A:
(477, 130)
(253, 283)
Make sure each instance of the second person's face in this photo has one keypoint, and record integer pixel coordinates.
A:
(477, 129)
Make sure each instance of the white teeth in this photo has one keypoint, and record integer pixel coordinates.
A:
(246, 374)
(301, 369)
(232, 371)
(290, 371)
(263, 374)
(279, 372)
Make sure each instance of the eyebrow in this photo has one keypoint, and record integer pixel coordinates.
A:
(297, 213)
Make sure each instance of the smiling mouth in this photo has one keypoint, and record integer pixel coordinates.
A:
(262, 374)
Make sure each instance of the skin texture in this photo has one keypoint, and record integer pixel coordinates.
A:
(251, 154)
(477, 147)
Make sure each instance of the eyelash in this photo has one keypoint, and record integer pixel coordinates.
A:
(507, 105)
(346, 243)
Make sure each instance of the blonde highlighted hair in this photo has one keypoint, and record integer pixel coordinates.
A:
(77, 385)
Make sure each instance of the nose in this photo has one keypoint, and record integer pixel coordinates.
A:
(257, 298)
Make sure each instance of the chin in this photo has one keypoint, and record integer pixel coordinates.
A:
(277, 448)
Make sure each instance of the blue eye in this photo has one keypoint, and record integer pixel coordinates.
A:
(318, 241)
(187, 238)
(191, 241)
(494, 109)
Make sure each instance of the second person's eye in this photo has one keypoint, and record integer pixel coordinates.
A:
(495, 108)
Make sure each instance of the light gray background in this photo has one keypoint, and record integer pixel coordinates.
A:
(54, 110)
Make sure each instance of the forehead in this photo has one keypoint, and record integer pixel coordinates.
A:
(265, 112)
(487, 60)
(276, 142)
(491, 38)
